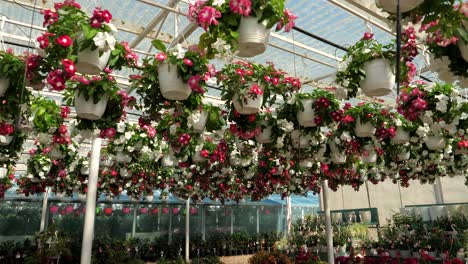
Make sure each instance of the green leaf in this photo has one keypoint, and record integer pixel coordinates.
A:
(159, 45)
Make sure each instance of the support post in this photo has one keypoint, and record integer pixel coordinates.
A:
(170, 226)
(203, 220)
(439, 196)
(232, 221)
(187, 231)
(288, 215)
(328, 226)
(135, 209)
(44, 211)
(258, 221)
(88, 229)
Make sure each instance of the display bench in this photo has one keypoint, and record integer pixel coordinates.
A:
(368, 216)
(430, 212)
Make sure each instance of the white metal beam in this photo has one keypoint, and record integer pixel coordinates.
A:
(160, 17)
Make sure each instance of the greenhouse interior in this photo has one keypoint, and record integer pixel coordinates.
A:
(234, 131)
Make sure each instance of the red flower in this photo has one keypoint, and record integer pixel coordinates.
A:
(368, 36)
(64, 41)
(43, 40)
(50, 17)
(255, 89)
(188, 62)
(161, 56)
(56, 79)
(69, 67)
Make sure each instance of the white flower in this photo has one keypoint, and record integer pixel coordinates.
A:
(218, 2)
(178, 51)
(285, 125)
(220, 45)
(121, 127)
(398, 122)
(441, 106)
(104, 41)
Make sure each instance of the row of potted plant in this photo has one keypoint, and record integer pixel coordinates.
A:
(442, 27)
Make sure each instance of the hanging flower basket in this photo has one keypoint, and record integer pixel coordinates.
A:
(5, 139)
(3, 172)
(253, 37)
(306, 117)
(435, 142)
(380, 78)
(89, 61)
(338, 158)
(87, 109)
(197, 158)
(391, 5)
(81, 197)
(365, 129)
(401, 136)
(250, 104)
(171, 85)
(370, 158)
(198, 120)
(265, 136)
(463, 49)
(4, 84)
(56, 154)
(404, 155)
(121, 157)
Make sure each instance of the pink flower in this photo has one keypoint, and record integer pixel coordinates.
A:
(419, 104)
(208, 16)
(6, 129)
(32, 152)
(255, 89)
(69, 67)
(63, 129)
(368, 36)
(54, 209)
(188, 62)
(347, 119)
(144, 210)
(151, 131)
(161, 56)
(290, 21)
(126, 210)
(242, 7)
(194, 83)
(64, 41)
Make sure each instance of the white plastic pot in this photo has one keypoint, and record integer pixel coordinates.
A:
(253, 37)
(307, 163)
(198, 120)
(392, 253)
(197, 158)
(435, 142)
(81, 197)
(401, 136)
(56, 154)
(124, 173)
(364, 129)
(171, 85)
(89, 61)
(365, 216)
(4, 84)
(84, 170)
(3, 172)
(299, 140)
(149, 198)
(424, 212)
(306, 117)
(380, 78)
(249, 105)
(168, 161)
(405, 253)
(107, 162)
(338, 158)
(265, 136)
(87, 109)
(404, 155)
(391, 5)
(5, 140)
(121, 157)
(371, 158)
(463, 49)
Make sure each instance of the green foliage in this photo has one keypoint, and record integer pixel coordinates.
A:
(46, 113)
